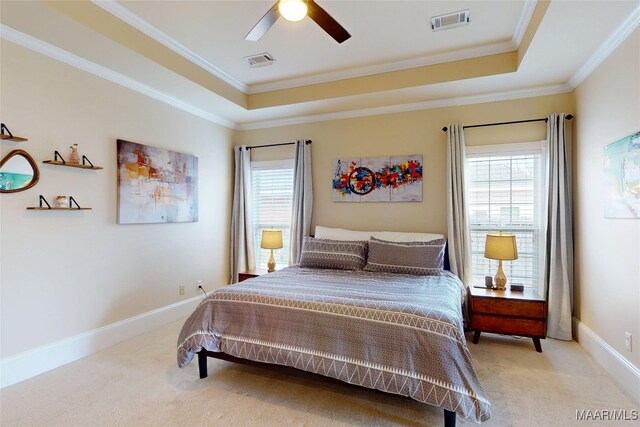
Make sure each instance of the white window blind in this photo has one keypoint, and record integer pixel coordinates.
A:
(272, 188)
(505, 184)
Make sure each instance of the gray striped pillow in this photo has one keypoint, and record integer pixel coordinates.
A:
(337, 254)
(419, 258)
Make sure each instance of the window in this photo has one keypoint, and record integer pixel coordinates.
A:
(506, 184)
(272, 188)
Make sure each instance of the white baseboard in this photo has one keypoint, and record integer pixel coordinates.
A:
(28, 364)
(625, 373)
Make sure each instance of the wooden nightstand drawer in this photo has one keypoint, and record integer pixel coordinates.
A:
(245, 276)
(250, 274)
(509, 307)
(509, 325)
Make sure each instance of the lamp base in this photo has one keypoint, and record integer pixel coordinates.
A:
(271, 264)
(500, 279)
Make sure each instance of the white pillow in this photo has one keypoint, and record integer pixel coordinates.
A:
(340, 234)
(391, 236)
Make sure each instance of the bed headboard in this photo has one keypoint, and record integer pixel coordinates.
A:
(446, 257)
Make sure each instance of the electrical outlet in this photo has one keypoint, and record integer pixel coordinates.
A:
(627, 341)
(181, 290)
(198, 284)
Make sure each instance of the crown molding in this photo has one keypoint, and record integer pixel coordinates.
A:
(458, 55)
(140, 24)
(44, 48)
(625, 29)
(523, 22)
(416, 106)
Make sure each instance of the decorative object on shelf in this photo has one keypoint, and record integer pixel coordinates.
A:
(74, 157)
(378, 179)
(622, 178)
(503, 248)
(18, 172)
(8, 136)
(70, 207)
(61, 201)
(58, 160)
(271, 239)
(156, 185)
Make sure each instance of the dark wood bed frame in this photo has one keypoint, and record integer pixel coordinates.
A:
(449, 416)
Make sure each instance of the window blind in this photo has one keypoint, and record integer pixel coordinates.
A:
(505, 187)
(272, 189)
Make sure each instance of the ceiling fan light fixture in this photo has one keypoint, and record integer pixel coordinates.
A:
(292, 10)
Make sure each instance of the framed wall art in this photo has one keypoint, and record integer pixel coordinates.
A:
(156, 185)
(622, 178)
(378, 179)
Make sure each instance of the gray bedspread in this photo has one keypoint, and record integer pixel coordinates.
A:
(401, 334)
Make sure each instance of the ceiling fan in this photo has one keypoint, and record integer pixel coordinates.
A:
(295, 10)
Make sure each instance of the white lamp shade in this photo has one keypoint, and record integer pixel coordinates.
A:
(292, 10)
(501, 246)
(271, 239)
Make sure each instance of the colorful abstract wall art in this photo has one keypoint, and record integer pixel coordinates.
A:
(378, 179)
(622, 178)
(156, 185)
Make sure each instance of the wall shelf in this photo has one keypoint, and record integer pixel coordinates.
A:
(9, 136)
(59, 161)
(71, 165)
(37, 208)
(42, 200)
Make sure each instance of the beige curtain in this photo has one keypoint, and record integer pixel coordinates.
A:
(459, 239)
(558, 278)
(242, 245)
(302, 203)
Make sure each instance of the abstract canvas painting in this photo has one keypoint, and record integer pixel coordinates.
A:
(156, 185)
(378, 179)
(622, 178)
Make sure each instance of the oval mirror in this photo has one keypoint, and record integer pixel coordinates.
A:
(18, 172)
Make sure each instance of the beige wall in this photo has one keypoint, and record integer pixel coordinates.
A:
(607, 250)
(64, 273)
(418, 132)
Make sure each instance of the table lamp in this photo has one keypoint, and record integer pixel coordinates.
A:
(503, 248)
(271, 239)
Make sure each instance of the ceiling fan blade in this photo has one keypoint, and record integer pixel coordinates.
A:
(263, 25)
(326, 22)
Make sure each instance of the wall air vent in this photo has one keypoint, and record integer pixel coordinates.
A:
(260, 60)
(450, 20)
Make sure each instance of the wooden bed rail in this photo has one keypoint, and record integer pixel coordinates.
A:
(449, 416)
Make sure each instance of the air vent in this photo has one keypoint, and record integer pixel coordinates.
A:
(260, 60)
(450, 20)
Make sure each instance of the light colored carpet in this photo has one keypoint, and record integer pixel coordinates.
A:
(137, 383)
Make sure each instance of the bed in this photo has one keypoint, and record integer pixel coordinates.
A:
(398, 333)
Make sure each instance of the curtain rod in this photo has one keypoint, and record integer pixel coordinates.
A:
(274, 145)
(567, 117)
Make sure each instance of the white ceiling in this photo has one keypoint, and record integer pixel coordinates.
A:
(386, 35)
(382, 32)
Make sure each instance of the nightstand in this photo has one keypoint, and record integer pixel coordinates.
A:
(250, 274)
(506, 312)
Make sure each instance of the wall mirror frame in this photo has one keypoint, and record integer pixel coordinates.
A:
(30, 161)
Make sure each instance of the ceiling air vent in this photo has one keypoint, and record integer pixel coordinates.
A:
(260, 60)
(450, 20)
